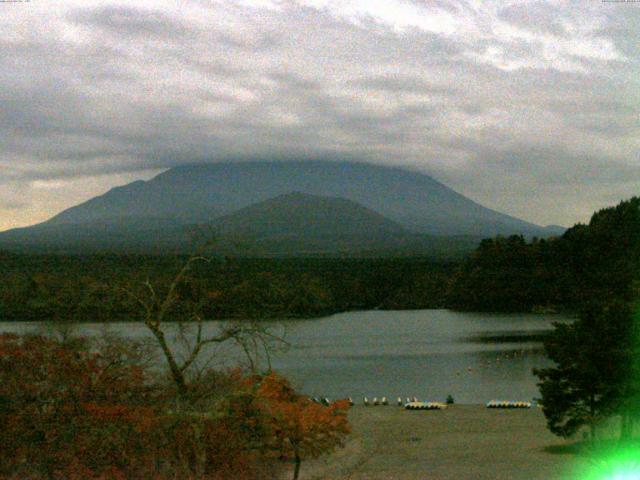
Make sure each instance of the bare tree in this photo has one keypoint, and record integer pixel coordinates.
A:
(254, 338)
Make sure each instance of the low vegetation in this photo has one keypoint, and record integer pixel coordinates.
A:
(70, 410)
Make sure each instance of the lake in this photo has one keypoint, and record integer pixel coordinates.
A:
(475, 357)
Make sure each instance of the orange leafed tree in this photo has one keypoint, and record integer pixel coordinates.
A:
(300, 428)
(67, 412)
(71, 412)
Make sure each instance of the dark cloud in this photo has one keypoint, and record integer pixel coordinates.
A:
(557, 166)
(130, 21)
(403, 84)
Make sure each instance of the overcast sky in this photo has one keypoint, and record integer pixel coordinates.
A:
(528, 107)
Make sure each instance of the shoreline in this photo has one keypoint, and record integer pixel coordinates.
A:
(275, 319)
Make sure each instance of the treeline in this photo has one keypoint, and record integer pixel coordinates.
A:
(595, 370)
(593, 261)
(105, 287)
(592, 271)
(590, 261)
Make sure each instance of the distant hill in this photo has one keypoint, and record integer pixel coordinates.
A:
(302, 215)
(309, 204)
(301, 224)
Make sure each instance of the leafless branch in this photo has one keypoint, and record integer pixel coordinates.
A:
(254, 339)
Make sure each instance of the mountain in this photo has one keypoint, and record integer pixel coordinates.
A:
(285, 202)
(127, 234)
(293, 224)
(200, 193)
(552, 231)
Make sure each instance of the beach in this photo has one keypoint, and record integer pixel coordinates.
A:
(460, 442)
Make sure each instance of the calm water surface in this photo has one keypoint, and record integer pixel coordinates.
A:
(424, 353)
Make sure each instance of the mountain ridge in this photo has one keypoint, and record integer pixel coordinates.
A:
(357, 206)
(202, 192)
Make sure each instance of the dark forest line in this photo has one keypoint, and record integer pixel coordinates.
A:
(502, 275)
(100, 287)
(587, 263)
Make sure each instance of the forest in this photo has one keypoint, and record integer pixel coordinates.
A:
(505, 274)
(598, 260)
(100, 287)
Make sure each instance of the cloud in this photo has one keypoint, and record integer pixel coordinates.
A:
(514, 104)
(132, 22)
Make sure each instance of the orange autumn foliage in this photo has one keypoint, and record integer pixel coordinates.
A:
(70, 413)
(67, 412)
(299, 428)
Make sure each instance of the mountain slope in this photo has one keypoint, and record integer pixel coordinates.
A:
(293, 224)
(127, 234)
(201, 193)
(299, 224)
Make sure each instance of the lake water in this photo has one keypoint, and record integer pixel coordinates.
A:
(426, 353)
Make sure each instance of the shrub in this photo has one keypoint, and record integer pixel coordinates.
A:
(67, 412)
(300, 428)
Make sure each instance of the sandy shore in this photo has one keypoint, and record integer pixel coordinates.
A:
(462, 442)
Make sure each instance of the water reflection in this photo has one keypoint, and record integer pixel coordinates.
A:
(515, 336)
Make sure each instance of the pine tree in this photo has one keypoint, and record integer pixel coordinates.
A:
(591, 379)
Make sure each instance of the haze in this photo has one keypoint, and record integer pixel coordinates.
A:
(528, 107)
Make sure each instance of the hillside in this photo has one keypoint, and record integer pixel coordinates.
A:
(588, 263)
(289, 225)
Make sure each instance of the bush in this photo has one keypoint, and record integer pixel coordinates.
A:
(300, 428)
(70, 413)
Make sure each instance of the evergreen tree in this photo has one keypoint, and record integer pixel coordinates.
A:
(595, 261)
(591, 378)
